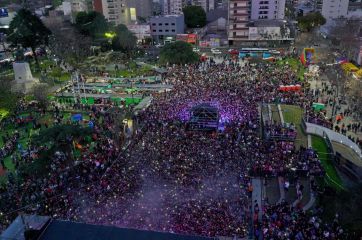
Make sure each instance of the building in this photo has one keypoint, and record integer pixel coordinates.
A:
(261, 9)
(172, 7)
(250, 20)
(239, 16)
(335, 8)
(123, 11)
(143, 8)
(141, 31)
(72, 7)
(6, 16)
(207, 5)
(167, 26)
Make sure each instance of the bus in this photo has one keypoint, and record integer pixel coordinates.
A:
(263, 53)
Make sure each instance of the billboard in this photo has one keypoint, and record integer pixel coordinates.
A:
(4, 12)
(189, 38)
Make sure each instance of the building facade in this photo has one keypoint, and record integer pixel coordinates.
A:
(207, 5)
(166, 26)
(335, 8)
(123, 11)
(239, 17)
(141, 31)
(251, 20)
(72, 7)
(267, 9)
(172, 7)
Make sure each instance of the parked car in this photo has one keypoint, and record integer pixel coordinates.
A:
(233, 51)
(196, 49)
(215, 51)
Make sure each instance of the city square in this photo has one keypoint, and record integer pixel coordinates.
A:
(162, 126)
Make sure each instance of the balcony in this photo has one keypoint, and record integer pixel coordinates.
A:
(239, 7)
(240, 14)
(239, 28)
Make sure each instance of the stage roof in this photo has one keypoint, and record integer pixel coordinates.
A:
(60, 230)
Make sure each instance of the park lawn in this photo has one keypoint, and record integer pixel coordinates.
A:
(296, 65)
(332, 178)
(294, 114)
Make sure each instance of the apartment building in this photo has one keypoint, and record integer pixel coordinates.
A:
(244, 15)
(172, 7)
(267, 9)
(123, 11)
(335, 8)
(207, 5)
(239, 16)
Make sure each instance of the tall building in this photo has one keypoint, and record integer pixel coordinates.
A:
(249, 20)
(334, 8)
(171, 7)
(207, 5)
(239, 16)
(123, 11)
(267, 9)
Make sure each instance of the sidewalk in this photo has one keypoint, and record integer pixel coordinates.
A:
(317, 84)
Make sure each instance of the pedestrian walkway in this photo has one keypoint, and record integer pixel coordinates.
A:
(257, 195)
(342, 106)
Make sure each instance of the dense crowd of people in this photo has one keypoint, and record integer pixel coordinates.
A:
(283, 221)
(168, 178)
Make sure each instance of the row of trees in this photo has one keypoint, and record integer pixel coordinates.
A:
(73, 43)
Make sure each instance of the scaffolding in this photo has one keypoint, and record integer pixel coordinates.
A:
(203, 117)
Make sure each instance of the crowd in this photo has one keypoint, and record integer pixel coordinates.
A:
(283, 221)
(168, 178)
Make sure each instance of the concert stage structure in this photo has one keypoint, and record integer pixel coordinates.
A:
(203, 117)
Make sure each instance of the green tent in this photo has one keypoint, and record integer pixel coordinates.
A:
(116, 100)
(318, 106)
(88, 101)
(133, 100)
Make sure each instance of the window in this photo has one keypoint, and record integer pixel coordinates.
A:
(153, 30)
(166, 24)
(160, 24)
(160, 30)
(166, 30)
(173, 30)
(153, 24)
(173, 24)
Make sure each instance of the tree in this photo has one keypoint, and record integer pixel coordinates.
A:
(27, 30)
(124, 40)
(345, 35)
(195, 16)
(310, 21)
(40, 93)
(92, 24)
(178, 53)
(67, 42)
(57, 138)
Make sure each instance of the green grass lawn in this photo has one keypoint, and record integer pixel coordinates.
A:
(332, 178)
(295, 64)
(294, 114)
